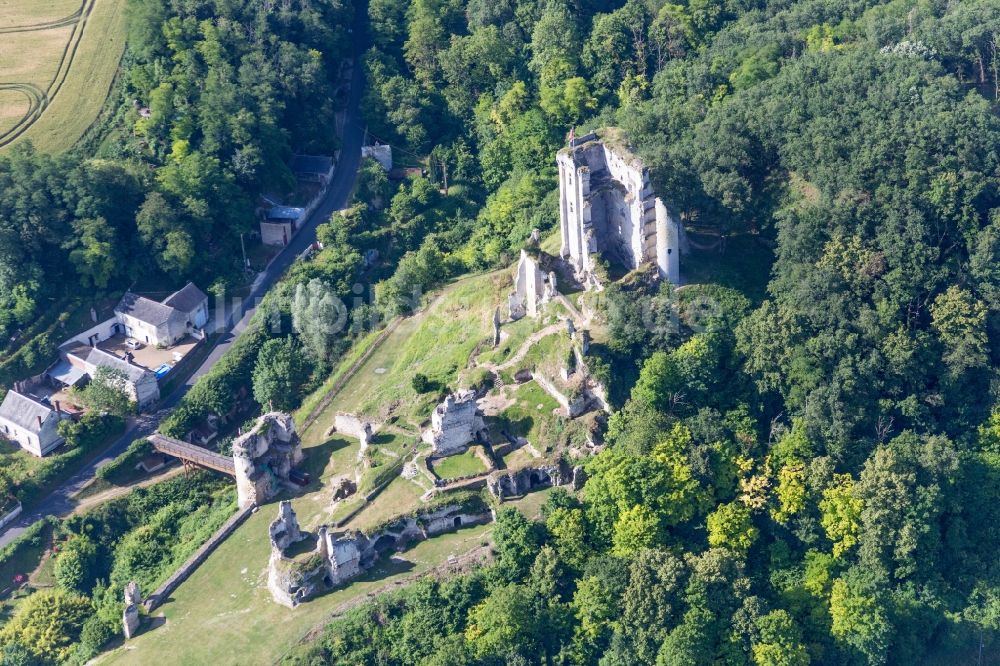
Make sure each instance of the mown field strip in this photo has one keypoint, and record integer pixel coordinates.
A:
(63, 64)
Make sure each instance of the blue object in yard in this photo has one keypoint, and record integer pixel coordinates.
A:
(161, 371)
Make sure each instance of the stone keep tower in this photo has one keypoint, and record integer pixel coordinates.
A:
(455, 423)
(607, 206)
(264, 456)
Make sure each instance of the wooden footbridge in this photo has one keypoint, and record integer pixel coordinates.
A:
(192, 454)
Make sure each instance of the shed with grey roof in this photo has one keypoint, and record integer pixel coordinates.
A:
(312, 168)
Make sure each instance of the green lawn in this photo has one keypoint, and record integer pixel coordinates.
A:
(466, 463)
(438, 342)
(313, 400)
(400, 496)
(525, 418)
(223, 614)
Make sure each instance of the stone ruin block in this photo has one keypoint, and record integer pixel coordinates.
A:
(356, 427)
(130, 617)
(532, 288)
(455, 423)
(504, 484)
(264, 456)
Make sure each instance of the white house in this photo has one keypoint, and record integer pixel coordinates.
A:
(140, 383)
(182, 313)
(32, 424)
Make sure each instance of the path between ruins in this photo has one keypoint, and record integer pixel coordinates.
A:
(535, 337)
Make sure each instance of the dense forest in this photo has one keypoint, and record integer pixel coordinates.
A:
(813, 474)
(810, 475)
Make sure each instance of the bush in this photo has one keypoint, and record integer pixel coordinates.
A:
(135, 452)
(76, 565)
(96, 633)
(91, 430)
(47, 624)
(421, 384)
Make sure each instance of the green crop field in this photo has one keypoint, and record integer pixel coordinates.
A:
(58, 59)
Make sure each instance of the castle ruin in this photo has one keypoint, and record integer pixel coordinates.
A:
(264, 456)
(304, 564)
(532, 288)
(607, 206)
(455, 423)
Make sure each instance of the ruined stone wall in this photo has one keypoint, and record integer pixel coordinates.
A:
(340, 556)
(532, 288)
(519, 482)
(354, 426)
(455, 423)
(607, 206)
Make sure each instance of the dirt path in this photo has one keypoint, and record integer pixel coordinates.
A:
(568, 304)
(113, 493)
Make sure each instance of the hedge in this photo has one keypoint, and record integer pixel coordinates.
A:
(127, 461)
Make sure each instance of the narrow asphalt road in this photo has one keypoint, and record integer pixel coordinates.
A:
(58, 502)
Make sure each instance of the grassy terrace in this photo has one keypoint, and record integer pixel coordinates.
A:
(437, 342)
(463, 464)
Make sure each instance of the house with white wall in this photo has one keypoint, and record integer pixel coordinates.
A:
(31, 424)
(140, 382)
(183, 313)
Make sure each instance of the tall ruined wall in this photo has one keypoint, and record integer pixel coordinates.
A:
(607, 206)
(264, 456)
(455, 423)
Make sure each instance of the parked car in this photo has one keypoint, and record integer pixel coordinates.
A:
(301, 478)
(133, 344)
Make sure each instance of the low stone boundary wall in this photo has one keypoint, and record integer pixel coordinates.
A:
(339, 384)
(9, 517)
(193, 562)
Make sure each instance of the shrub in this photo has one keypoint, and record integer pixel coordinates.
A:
(47, 624)
(421, 384)
(135, 452)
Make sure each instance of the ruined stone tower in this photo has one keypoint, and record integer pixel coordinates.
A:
(263, 457)
(607, 207)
